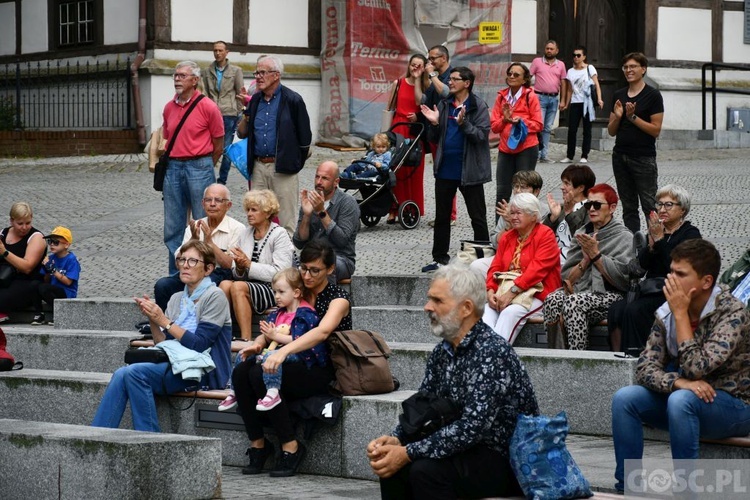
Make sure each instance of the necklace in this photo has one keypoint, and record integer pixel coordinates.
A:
(669, 235)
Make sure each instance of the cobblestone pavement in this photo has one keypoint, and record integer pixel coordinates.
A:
(117, 218)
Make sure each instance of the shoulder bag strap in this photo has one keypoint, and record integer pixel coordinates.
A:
(182, 122)
(394, 96)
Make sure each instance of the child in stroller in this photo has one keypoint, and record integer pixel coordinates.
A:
(376, 161)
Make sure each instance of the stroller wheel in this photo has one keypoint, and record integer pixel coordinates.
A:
(408, 215)
(369, 220)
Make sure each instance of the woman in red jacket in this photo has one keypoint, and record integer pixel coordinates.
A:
(530, 249)
(518, 103)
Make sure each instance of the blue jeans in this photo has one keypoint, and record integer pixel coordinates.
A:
(183, 190)
(230, 126)
(549, 106)
(138, 383)
(636, 178)
(681, 412)
(273, 380)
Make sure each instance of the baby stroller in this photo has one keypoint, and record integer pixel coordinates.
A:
(375, 195)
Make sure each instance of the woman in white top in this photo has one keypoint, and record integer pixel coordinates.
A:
(581, 76)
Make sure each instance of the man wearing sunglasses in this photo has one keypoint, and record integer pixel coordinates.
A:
(277, 126)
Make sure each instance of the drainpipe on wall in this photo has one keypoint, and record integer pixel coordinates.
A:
(140, 125)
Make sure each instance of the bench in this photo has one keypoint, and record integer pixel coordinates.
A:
(49, 460)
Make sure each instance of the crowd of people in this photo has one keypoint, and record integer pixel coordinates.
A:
(573, 262)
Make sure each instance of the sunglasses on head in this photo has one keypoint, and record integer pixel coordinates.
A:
(595, 204)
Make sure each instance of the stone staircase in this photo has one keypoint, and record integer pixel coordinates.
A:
(68, 367)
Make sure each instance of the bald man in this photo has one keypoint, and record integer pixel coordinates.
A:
(328, 212)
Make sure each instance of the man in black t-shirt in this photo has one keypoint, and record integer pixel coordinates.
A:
(636, 120)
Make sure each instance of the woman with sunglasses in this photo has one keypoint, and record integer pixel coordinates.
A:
(629, 324)
(595, 274)
(197, 319)
(262, 250)
(581, 102)
(516, 106)
(22, 249)
(333, 307)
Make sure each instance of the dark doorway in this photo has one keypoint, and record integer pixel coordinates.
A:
(608, 29)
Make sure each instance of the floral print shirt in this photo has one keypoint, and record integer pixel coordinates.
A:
(719, 353)
(485, 376)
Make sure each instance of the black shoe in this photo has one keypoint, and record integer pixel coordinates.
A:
(289, 462)
(38, 319)
(258, 457)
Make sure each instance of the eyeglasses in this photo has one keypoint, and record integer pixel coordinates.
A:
(577, 55)
(457, 79)
(669, 205)
(432, 58)
(595, 204)
(218, 201)
(52, 241)
(263, 73)
(188, 263)
(631, 67)
(314, 271)
(181, 76)
(514, 75)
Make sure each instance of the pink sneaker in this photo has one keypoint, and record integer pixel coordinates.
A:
(228, 403)
(267, 403)
(4, 317)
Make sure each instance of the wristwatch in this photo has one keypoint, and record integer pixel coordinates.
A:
(633, 117)
(322, 214)
(170, 325)
(515, 289)
(434, 74)
(5, 253)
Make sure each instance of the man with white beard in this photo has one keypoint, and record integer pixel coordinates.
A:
(479, 371)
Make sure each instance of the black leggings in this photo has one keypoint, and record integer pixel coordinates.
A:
(575, 115)
(297, 382)
(47, 292)
(19, 295)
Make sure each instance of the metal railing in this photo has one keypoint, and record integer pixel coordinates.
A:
(714, 89)
(55, 95)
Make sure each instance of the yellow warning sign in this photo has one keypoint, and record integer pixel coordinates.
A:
(490, 33)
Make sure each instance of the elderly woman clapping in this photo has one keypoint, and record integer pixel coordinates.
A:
(263, 250)
(595, 275)
(629, 324)
(527, 257)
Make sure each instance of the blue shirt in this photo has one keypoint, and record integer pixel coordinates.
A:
(453, 148)
(219, 77)
(265, 124)
(69, 267)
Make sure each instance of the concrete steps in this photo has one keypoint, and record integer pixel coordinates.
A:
(48, 460)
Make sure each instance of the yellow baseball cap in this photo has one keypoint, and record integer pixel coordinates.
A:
(62, 232)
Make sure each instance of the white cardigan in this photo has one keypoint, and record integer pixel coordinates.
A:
(277, 254)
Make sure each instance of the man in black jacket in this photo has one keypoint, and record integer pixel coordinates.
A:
(277, 126)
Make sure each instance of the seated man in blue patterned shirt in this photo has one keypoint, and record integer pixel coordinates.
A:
(479, 370)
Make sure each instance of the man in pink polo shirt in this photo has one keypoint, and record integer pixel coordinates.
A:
(196, 150)
(549, 74)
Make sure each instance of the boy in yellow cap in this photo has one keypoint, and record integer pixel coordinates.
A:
(61, 271)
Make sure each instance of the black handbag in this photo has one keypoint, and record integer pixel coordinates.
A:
(160, 170)
(649, 286)
(7, 274)
(425, 413)
(145, 355)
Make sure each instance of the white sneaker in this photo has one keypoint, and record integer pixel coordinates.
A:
(583, 160)
(566, 160)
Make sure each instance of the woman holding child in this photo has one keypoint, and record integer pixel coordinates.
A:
(22, 249)
(196, 319)
(263, 250)
(298, 380)
(527, 255)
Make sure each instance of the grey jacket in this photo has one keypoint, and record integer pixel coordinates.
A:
(231, 85)
(616, 247)
(477, 166)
